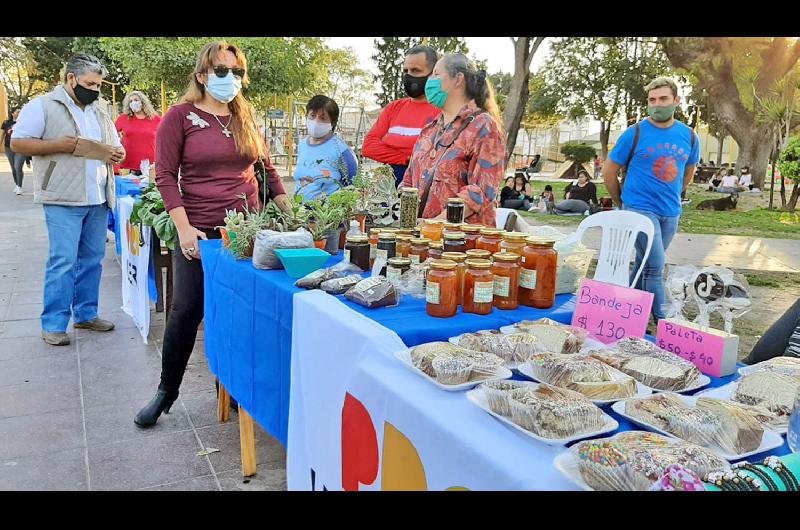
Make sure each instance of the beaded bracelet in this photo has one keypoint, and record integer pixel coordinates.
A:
(776, 465)
(733, 481)
(762, 475)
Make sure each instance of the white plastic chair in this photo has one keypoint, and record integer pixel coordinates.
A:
(620, 229)
(501, 216)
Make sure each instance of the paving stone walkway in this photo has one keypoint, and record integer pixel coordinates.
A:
(66, 413)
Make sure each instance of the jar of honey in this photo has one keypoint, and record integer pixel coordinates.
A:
(451, 227)
(406, 232)
(373, 244)
(455, 242)
(461, 268)
(490, 239)
(471, 234)
(506, 280)
(514, 242)
(477, 253)
(455, 210)
(356, 251)
(418, 251)
(435, 249)
(478, 287)
(432, 229)
(441, 289)
(403, 245)
(537, 282)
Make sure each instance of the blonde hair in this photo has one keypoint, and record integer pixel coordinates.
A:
(659, 82)
(243, 126)
(147, 107)
(478, 86)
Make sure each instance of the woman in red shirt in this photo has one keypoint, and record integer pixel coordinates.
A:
(137, 126)
(211, 138)
(463, 152)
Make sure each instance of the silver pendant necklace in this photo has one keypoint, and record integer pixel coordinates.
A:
(225, 130)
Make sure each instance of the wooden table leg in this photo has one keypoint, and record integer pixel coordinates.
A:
(223, 404)
(248, 442)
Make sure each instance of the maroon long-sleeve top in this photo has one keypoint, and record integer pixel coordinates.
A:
(213, 175)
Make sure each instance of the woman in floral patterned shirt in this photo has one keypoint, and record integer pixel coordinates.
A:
(463, 152)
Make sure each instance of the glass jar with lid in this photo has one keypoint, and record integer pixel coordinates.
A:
(490, 239)
(435, 249)
(396, 268)
(373, 244)
(478, 287)
(505, 268)
(432, 229)
(418, 251)
(455, 210)
(479, 253)
(356, 251)
(409, 204)
(451, 227)
(461, 268)
(514, 242)
(441, 289)
(455, 242)
(537, 283)
(387, 248)
(471, 234)
(403, 245)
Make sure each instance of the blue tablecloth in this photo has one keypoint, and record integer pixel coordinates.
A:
(126, 187)
(248, 327)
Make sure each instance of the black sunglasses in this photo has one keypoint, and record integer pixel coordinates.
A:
(222, 71)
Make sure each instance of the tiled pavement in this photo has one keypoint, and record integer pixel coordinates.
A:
(66, 413)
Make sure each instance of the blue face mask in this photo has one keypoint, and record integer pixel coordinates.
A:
(434, 93)
(224, 89)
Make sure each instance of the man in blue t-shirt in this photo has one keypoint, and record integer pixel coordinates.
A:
(659, 170)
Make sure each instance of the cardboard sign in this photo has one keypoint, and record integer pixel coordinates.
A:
(611, 312)
(713, 351)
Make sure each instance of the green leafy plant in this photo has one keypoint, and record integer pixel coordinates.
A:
(326, 218)
(344, 199)
(149, 210)
(789, 165)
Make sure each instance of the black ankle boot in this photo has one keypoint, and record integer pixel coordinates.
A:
(162, 402)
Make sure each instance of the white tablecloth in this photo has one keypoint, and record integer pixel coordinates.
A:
(401, 432)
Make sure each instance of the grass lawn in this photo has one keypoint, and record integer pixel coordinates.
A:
(751, 218)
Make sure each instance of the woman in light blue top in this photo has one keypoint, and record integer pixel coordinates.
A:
(324, 162)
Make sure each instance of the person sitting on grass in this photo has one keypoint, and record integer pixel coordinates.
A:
(730, 183)
(577, 198)
(549, 198)
(716, 179)
(517, 197)
(746, 179)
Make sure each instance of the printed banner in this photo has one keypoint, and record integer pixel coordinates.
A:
(135, 260)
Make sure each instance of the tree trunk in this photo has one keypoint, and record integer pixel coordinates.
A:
(783, 193)
(793, 199)
(519, 91)
(720, 143)
(605, 132)
(754, 152)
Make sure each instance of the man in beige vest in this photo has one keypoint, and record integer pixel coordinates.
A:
(75, 191)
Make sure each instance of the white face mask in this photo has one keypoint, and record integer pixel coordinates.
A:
(317, 129)
(136, 105)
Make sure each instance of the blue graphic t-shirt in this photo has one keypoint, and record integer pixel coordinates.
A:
(323, 168)
(655, 176)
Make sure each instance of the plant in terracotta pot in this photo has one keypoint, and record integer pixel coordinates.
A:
(326, 221)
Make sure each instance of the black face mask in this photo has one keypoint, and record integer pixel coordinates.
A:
(414, 86)
(85, 95)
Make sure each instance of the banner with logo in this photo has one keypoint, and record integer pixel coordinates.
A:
(360, 420)
(135, 261)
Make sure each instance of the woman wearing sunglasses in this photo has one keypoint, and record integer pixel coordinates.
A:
(463, 152)
(211, 138)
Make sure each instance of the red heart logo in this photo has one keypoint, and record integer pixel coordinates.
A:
(359, 445)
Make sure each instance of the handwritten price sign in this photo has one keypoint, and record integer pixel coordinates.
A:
(712, 351)
(611, 312)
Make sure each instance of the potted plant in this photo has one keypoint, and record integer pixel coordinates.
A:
(324, 228)
(345, 200)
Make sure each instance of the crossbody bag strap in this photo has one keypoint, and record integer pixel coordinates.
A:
(423, 202)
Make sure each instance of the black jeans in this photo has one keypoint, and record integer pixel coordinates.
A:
(184, 318)
(778, 340)
(517, 204)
